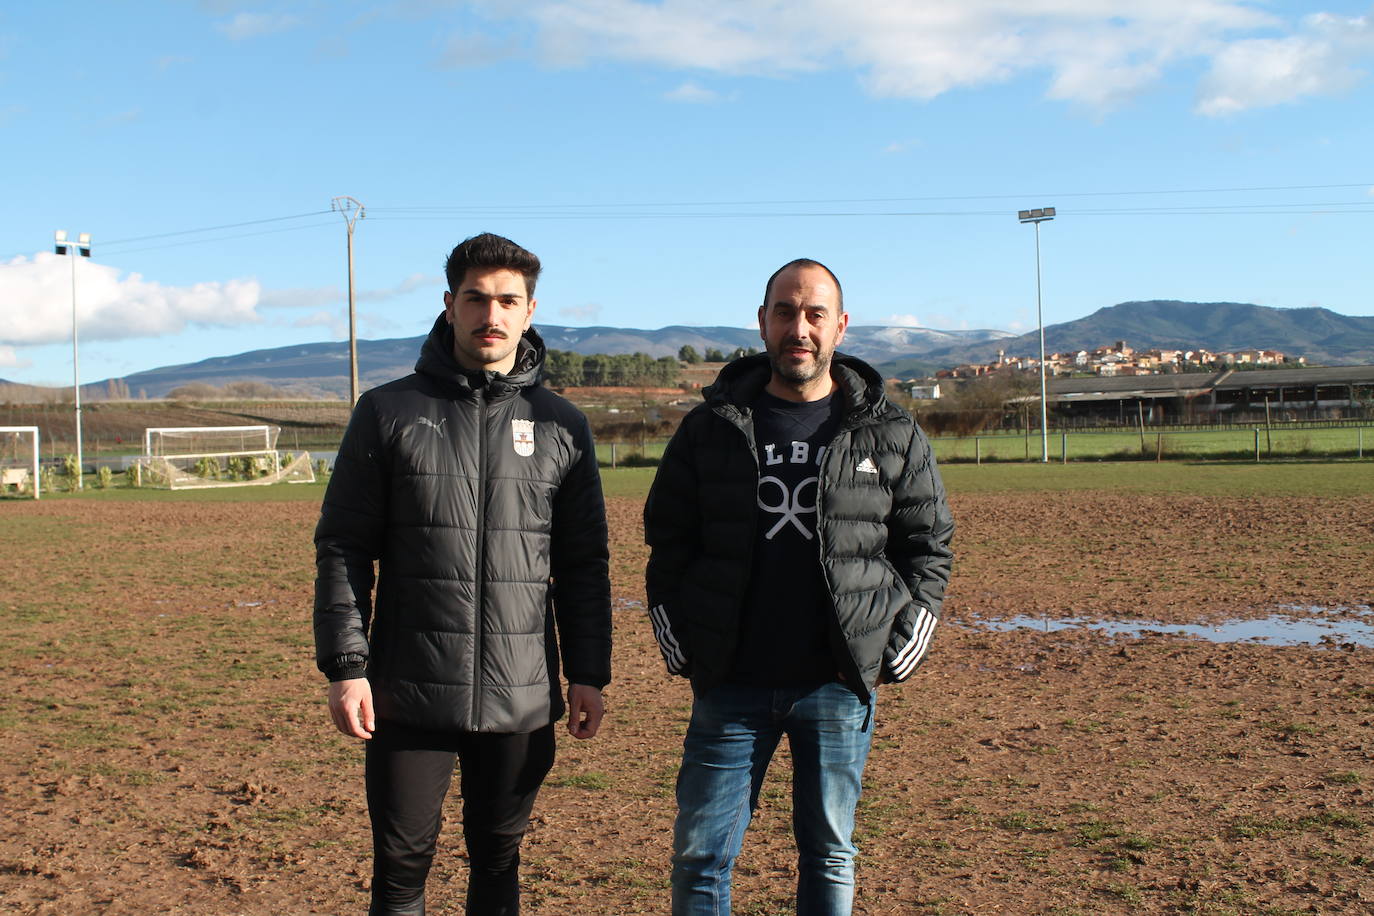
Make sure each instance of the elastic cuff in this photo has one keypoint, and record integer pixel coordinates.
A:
(346, 668)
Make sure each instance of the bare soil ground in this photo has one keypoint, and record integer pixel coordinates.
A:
(166, 749)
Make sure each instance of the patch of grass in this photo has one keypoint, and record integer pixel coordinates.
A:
(1023, 822)
(588, 779)
(1126, 892)
(1249, 827)
(1346, 778)
(1087, 726)
(1092, 832)
(1293, 728)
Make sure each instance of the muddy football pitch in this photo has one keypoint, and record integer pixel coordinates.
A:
(166, 748)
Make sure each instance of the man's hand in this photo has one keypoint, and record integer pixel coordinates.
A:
(350, 706)
(585, 710)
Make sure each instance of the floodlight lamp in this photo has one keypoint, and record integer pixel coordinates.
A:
(85, 251)
(1049, 212)
(1023, 215)
(84, 239)
(60, 249)
(60, 235)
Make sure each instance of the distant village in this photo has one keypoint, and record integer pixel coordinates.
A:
(1119, 359)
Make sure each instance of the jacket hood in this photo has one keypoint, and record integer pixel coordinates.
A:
(740, 382)
(437, 361)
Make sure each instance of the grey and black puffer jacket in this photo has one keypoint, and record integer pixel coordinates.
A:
(883, 530)
(478, 496)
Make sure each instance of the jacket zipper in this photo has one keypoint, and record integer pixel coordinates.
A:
(480, 568)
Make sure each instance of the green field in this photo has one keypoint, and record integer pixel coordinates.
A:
(1173, 445)
(1216, 478)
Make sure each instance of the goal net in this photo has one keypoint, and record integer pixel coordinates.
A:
(217, 456)
(19, 460)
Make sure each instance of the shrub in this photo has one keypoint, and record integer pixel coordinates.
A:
(208, 468)
(71, 469)
(104, 477)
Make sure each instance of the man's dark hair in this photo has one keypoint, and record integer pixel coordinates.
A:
(802, 262)
(491, 252)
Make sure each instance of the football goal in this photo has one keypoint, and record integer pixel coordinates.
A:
(19, 460)
(183, 457)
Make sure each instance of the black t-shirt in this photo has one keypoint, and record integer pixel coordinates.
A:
(784, 638)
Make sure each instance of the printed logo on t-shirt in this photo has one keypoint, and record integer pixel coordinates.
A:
(787, 504)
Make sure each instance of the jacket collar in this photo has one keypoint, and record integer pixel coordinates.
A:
(740, 382)
(437, 362)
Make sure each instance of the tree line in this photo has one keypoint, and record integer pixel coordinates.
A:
(566, 369)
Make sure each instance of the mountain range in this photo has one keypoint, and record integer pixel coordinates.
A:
(1322, 336)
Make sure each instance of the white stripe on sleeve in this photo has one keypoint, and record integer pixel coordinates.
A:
(667, 643)
(910, 655)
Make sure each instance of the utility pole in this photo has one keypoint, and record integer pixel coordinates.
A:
(352, 211)
(82, 248)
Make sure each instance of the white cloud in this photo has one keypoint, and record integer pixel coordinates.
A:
(9, 359)
(410, 284)
(338, 326)
(35, 296)
(475, 50)
(900, 321)
(1321, 59)
(588, 312)
(242, 26)
(693, 94)
(1098, 53)
(901, 146)
(301, 297)
(315, 297)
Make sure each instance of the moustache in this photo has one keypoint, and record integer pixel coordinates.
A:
(489, 332)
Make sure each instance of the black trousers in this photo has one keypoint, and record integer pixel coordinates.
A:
(408, 774)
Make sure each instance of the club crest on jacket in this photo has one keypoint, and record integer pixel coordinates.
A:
(522, 437)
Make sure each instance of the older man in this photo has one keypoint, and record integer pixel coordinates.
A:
(799, 554)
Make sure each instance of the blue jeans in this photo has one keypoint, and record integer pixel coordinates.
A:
(730, 740)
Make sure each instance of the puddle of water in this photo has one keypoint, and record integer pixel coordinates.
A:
(1275, 630)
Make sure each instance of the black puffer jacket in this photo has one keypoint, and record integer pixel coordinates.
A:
(883, 530)
(471, 491)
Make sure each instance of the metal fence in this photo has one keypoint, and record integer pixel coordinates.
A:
(1174, 444)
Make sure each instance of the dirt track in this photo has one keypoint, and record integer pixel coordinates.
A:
(166, 750)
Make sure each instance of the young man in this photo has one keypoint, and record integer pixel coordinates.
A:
(799, 554)
(476, 492)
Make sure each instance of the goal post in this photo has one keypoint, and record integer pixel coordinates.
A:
(19, 460)
(217, 456)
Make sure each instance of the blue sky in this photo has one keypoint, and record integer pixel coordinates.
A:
(663, 158)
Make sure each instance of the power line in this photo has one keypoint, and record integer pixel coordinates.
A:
(691, 210)
(866, 200)
(223, 238)
(251, 222)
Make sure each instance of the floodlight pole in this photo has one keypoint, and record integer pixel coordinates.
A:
(83, 248)
(352, 211)
(1037, 217)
